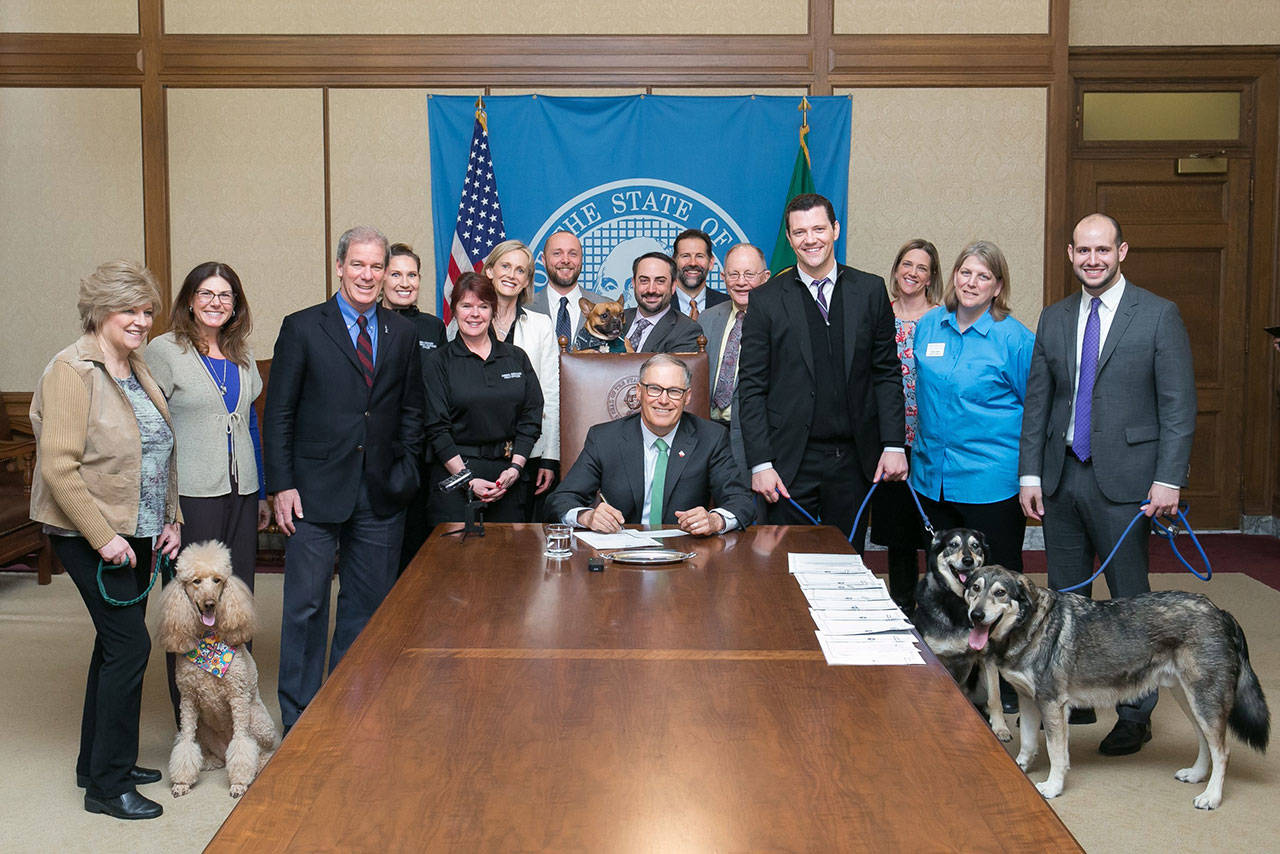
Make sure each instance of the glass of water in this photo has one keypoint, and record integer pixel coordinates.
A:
(557, 540)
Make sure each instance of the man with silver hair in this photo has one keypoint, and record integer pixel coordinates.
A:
(341, 438)
(660, 466)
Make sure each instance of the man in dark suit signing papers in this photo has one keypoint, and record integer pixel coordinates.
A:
(662, 466)
(819, 382)
(341, 438)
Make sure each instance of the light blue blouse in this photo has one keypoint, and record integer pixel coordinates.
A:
(970, 388)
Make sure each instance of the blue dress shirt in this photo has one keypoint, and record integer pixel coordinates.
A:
(349, 315)
(970, 388)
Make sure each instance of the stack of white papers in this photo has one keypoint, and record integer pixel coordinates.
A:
(857, 621)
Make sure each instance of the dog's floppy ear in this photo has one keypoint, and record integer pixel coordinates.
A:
(180, 630)
(937, 541)
(982, 542)
(234, 615)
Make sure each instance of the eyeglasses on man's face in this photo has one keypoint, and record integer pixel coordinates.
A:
(655, 391)
(742, 275)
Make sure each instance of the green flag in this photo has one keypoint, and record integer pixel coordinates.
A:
(801, 182)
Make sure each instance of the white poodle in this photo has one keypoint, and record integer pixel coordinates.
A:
(207, 611)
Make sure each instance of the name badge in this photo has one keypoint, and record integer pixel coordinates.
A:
(514, 375)
(935, 348)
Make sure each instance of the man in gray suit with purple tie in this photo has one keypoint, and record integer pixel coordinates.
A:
(1107, 425)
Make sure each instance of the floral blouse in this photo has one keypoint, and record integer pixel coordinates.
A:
(904, 335)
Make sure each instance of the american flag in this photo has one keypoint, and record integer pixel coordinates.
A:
(479, 227)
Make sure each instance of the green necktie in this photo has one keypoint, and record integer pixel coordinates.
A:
(658, 485)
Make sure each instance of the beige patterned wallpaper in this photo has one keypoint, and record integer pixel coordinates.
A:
(380, 172)
(69, 16)
(931, 16)
(70, 198)
(1175, 22)
(246, 186)
(951, 166)
(676, 17)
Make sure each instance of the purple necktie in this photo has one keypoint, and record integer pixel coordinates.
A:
(364, 350)
(822, 298)
(1084, 391)
(728, 365)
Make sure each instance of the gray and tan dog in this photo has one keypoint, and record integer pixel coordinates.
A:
(1061, 650)
(942, 618)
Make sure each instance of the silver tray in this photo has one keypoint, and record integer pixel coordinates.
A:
(648, 556)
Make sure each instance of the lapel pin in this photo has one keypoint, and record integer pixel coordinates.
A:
(680, 453)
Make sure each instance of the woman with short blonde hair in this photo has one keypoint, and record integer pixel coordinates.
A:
(106, 489)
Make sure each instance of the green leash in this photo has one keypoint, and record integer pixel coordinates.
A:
(162, 565)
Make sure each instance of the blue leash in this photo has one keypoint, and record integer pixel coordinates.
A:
(928, 526)
(1166, 531)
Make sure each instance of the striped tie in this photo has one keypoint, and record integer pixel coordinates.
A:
(822, 299)
(364, 350)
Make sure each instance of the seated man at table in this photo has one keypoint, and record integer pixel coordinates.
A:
(659, 466)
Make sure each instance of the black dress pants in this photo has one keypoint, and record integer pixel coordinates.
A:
(830, 486)
(113, 692)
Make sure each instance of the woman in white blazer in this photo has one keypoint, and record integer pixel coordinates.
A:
(510, 267)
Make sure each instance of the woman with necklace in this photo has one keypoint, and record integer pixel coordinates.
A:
(915, 283)
(510, 267)
(207, 373)
(106, 489)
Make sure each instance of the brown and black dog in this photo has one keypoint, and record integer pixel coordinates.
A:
(602, 326)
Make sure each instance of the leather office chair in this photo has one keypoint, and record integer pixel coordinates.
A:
(599, 387)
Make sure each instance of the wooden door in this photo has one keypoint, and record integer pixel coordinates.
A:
(1188, 239)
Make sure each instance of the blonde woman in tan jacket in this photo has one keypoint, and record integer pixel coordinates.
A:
(106, 488)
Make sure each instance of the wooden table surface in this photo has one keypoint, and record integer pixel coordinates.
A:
(501, 701)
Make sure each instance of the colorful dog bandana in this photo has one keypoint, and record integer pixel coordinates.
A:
(212, 655)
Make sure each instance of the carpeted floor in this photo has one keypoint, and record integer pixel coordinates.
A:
(1121, 804)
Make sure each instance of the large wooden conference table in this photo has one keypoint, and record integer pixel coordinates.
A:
(501, 701)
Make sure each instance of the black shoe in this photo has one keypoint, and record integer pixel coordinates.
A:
(1127, 737)
(1083, 716)
(136, 776)
(130, 805)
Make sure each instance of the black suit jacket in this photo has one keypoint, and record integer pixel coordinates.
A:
(674, 333)
(776, 379)
(701, 472)
(324, 429)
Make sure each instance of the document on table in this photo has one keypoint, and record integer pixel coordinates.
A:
(621, 540)
(798, 562)
(838, 581)
(859, 622)
(876, 598)
(873, 650)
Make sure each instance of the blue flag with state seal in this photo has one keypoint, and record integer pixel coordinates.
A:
(628, 174)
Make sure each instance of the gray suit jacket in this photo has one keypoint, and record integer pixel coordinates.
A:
(701, 472)
(1144, 397)
(539, 304)
(715, 322)
(674, 333)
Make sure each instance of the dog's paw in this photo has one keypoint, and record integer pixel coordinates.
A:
(179, 789)
(1190, 775)
(1207, 801)
(212, 763)
(1025, 760)
(238, 789)
(1049, 788)
(1002, 733)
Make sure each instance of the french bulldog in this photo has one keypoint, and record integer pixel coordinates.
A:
(602, 327)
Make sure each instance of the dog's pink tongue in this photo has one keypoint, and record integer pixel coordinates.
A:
(206, 618)
(978, 637)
